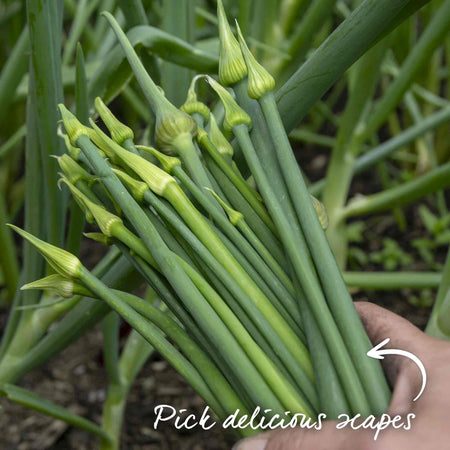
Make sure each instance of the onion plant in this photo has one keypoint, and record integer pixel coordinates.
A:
(196, 190)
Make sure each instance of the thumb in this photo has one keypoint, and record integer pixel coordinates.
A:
(299, 438)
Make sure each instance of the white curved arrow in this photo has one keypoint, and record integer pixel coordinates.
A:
(378, 353)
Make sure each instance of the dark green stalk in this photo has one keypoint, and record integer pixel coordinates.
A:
(276, 381)
(332, 399)
(34, 203)
(335, 344)
(338, 298)
(8, 258)
(167, 295)
(202, 230)
(134, 12)
(110, 329)
(238, 202)
(46, 65)
(238, 292)
(188, 154)
(178, 16)
(216, 381)
(260, 282)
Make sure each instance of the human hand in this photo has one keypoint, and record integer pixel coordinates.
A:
(429, 429)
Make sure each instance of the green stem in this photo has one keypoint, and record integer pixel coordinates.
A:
(433, 181)
(136, 351)
(338, 298)
(8, 258)
(432, 327)
(391, 281)
(10, 144)
(32, 401)
(384, 150)
(307, 279)
(13, 71)
(238, 182)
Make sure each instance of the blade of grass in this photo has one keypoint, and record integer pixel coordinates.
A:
(13, 71)
(178, 18)
(410, 191)
(45, 34)
(26, 398)
(371, 21)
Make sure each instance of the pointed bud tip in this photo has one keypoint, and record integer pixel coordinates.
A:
(62, 261)
(234, 114)
(74, 128)
(259, 79)
(119, 131)
(232, 66)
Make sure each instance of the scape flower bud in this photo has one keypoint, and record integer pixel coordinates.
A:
(259, 79)
(137, 188)
(218, 139)
(232, 66)
(156, 178)
(60, 260)
(99, 237)
(61, 286)
(321, 212)
(233, 215)
(119, 131)
(234, 114)
(73, 171)
(74, 152)
(167, 162)
(104, 219)
(171, 123)
(73, 126)
(192, 105)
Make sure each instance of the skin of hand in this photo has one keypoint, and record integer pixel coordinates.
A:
(429, 429)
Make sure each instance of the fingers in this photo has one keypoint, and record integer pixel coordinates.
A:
(401, 372)
(381, 324)
(302, 439)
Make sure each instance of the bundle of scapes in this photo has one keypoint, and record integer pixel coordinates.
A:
(257, 312)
